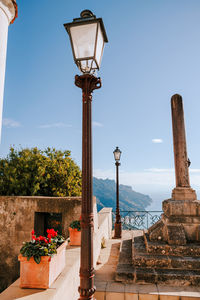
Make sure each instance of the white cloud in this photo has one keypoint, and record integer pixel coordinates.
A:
(104, 174)
(156, 170)
(97, 124)
(9, 123)
(194, 170)
(147, 177)
(55, 125)
(157, 141)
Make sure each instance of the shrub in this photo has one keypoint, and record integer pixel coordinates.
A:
(33, 172)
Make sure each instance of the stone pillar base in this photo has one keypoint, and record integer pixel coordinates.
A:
(184, 193)
(118, 230)
(180, 223)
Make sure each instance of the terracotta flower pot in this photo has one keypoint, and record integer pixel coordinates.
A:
(75, 237)
(42, 275)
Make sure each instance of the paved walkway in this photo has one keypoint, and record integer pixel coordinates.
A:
(108, 289)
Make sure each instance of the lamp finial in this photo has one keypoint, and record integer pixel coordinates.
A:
(87, 14)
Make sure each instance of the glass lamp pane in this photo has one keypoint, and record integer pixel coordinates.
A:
(117, 154)
(99, 46)
(87, 65)
(83, 39)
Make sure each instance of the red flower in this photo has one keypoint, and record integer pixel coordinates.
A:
(52, 232)
(32, 232)
(42, 238)
(33, 237)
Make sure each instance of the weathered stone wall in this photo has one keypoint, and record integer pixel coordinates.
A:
(17, 221)
(66, 285)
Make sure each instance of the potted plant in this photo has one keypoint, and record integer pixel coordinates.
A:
(75, 233)
(42, 260)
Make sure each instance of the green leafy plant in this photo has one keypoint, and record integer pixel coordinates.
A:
(33, 172)
(42, 246)
(76, 224)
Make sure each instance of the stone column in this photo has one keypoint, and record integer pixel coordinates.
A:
(8, 13)
(180, 221)
(183, 190)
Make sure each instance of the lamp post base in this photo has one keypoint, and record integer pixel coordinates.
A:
(118, 230)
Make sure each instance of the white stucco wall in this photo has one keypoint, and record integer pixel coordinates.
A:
(7, 13)
(104, 231)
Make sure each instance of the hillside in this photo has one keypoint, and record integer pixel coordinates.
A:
(105, 192)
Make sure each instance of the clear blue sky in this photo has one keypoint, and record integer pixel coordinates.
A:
(153, 53)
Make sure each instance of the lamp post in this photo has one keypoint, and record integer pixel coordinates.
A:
(118, 224)
(87, 35)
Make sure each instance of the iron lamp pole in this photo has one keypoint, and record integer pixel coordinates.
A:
(87, 35)
(118, 224)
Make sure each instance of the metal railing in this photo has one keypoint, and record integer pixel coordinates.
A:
(137, 220)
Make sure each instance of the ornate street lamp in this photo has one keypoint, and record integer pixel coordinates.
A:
(87, 35)
(118, 224)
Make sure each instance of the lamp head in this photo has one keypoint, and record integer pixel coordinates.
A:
(88, 36)
(117, 154)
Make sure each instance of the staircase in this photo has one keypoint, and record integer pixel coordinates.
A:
(143, 261)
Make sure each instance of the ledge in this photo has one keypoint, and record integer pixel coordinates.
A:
(59, 289)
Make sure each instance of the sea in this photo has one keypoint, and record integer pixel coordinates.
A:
(158, 198)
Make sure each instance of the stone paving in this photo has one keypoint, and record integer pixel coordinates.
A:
(109, 289)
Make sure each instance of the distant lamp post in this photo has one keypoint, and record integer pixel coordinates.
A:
(118, 224)
(87, 35)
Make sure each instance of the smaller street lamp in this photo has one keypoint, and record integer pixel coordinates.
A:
(118, 224)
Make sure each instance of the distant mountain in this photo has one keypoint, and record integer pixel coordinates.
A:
(105, 192)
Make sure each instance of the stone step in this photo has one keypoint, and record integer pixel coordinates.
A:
(125, 255)
(139, 244)
(167, 276)
(125, 273)
(161, 248)
(166, 262)
(164, 255)
(173, 277)
(124, 270)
